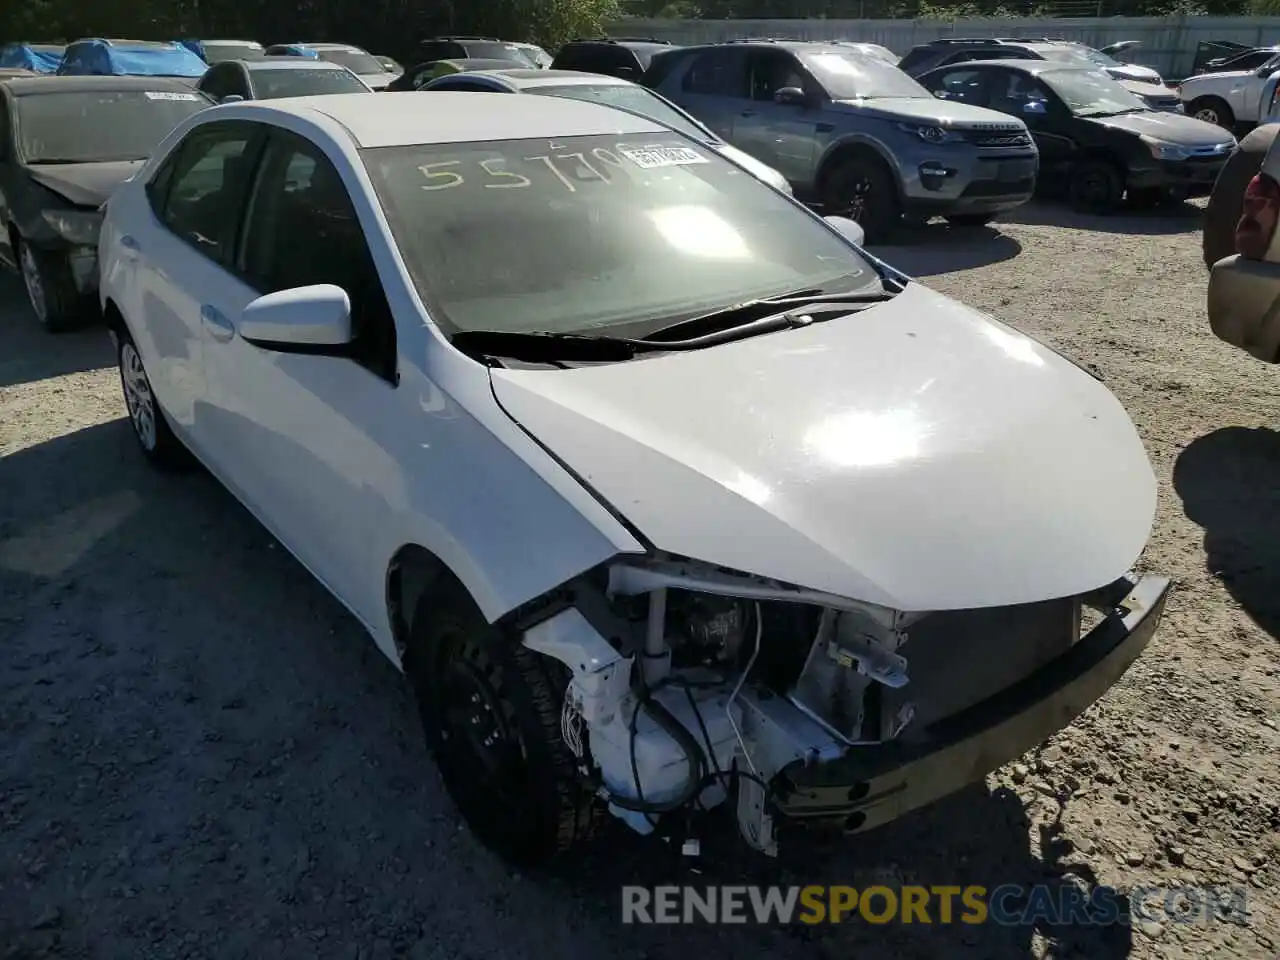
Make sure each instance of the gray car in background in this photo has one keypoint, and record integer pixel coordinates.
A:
(853, 133)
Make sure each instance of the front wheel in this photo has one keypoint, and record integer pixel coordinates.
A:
(51, 291)
(1096, 187)
(152, 431)
(491, 709)
(863, 189)
(1212, 110)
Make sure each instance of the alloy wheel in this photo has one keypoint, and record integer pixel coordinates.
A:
(137, 395)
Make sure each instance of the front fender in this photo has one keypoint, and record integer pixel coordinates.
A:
(858, 139)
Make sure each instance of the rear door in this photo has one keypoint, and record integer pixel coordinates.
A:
(713, 88)
(782, 135)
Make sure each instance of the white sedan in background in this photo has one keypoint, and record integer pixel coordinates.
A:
(612, 92)
(650, 480)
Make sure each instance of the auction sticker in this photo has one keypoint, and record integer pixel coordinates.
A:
(651, 156)
(172, 95)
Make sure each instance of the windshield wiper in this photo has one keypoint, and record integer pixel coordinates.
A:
(755, 316)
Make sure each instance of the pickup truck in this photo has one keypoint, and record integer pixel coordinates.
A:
(1230, 98)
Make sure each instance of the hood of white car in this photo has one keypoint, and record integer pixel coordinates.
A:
(917, 455)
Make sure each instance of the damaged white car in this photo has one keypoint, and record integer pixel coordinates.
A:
(664, 494)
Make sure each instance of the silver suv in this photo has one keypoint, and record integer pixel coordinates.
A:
(853, 133)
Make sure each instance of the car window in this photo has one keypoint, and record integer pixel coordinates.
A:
(718, 73)
(961, 86)
(269, 84)
(849, 76)
(220, 81)
(917, 56)
(203, 192)
(431, 50)
(6, 145)
(302, 229)
(99, 126)
(1011, 92)
(631, 98)
(465, 84)
(772, 70)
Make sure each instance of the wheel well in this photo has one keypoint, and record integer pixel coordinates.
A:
(414, 572)
(114, 318)
(844, 154)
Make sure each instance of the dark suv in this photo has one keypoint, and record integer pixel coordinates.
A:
(625, 57)
(470, 48)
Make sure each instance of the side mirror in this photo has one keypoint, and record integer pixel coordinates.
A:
(851, 230)
(231, 98)
(790, 96)
(313, 319)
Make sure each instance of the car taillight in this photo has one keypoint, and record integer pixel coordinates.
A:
(1258, 218)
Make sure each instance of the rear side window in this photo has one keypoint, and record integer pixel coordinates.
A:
(915, 58)
(718, 73)
(595, 59)
(660, 68)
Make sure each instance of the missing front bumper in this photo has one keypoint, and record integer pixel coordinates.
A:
(872, 785)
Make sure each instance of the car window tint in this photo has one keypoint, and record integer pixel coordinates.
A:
(1010, 92)
(771, 71)
(206, 186)
(717, 73)
(218, 82)
(963, 86)
(303, 230)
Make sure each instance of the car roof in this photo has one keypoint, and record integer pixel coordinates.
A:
(289, 63)
(231, 43)
(1026, 66)
(409, 119)
(345, 47)
(27, 86)
(524, 79)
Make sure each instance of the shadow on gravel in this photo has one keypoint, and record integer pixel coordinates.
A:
(932, 249)
(1178, 218)
(28, 353)
(1229, 482)
(206, 756)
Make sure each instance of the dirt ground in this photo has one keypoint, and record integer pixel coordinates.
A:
(202, 756)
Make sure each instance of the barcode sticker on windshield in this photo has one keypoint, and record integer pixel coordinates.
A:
(172, 95)
(650, 156)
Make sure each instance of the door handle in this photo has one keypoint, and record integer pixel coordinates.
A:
(219, 327)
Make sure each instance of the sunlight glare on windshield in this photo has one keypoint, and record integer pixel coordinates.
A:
(699, 232)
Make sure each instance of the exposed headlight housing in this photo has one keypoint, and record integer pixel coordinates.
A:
(80, 227)
(930, 133)
(1163, 150)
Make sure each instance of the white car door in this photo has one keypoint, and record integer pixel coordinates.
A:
(181, 245)
(306, 438)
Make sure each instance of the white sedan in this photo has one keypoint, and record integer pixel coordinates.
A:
(658, 489)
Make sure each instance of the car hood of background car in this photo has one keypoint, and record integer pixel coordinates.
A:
(1170, 127)
(916, 455)
(1130, 71)
(85, 184)
(927, 110)
(378, 81)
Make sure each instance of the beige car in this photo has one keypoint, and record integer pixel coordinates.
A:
(1244, 288)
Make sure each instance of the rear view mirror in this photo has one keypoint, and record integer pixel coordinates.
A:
(1244, 305)
(851, 230)
(314, 319)
(790, 96)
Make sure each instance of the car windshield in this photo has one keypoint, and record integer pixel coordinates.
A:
(274, 83)
(218, 52)
(98, 126)
(496, 50)
(1091, 93)
(852, 76)
(612, 234)
(355, 61)
(632, 99)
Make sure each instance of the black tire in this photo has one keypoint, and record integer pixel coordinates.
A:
(1213, 110)
(490, 709)
(863, 189)
(1151, 198)
(150, 428)
(1096, 186)
(970, 219)
(51, 290)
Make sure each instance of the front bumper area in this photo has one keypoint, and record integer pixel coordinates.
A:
(870, 786)
(943, 184)
(1186, 178)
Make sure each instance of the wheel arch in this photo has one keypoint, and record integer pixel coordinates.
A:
(414, 572)
(849, 149)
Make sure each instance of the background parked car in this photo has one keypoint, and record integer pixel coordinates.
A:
(539, 57)
(68, 142)
(611, 91)
(1094, 136)
(626, 58)
(1218, 56)
(36, 57)
(392, 67)
(853, 133)
(216, 51)
(477, 48)
(871, 50)
(269, 78)
(1231, 97)
(141, 58)
(1244, 288)
(9, 73)
(356, 59)
(422, 73)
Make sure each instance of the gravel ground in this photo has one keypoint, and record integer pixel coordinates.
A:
(204, 757)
